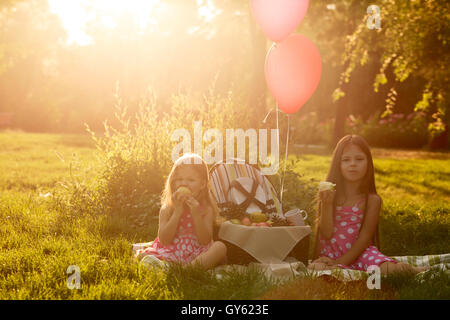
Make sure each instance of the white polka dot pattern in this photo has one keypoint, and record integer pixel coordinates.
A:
(345, 232)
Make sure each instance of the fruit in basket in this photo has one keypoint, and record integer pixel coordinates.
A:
(263, 224)
(246, 221)
(258, 217)
(235, 221)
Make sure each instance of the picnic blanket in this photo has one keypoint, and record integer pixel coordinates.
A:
(298, 269)
(290, 268)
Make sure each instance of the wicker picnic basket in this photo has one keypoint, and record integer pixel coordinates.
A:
(223, 175)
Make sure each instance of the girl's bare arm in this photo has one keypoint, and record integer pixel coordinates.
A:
(326, 224)
(203, 225)
(168, 224)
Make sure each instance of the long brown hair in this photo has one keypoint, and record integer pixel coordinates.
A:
(198, 164)
(335, 176)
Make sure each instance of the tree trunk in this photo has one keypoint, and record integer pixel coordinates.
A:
(341, 114)
(339, 125)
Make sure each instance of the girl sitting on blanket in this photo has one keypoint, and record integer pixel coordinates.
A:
(347, 223)
(186, 219)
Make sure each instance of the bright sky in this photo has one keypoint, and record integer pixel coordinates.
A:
(75, 14)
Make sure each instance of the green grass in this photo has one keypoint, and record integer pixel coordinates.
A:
(39, 241)
(36, 162)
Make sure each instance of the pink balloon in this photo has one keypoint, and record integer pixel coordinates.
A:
(293, 69)
(279, 18)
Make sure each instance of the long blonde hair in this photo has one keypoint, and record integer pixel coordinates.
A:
(198, 164)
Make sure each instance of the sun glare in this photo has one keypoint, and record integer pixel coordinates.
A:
(207, 10)
(75, 15)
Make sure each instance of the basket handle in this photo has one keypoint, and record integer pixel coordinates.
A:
(250, 195)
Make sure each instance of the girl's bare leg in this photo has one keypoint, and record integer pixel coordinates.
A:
(215, 255)
(390, 267)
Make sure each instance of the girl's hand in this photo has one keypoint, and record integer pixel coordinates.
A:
(179, 198)
(327, 196)
(326, 260)
(193, 204)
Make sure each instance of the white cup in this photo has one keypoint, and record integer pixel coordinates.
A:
(296, 217)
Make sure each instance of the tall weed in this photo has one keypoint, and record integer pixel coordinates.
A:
(136, 153)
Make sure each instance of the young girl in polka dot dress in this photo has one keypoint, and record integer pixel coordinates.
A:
(186, 219)
(347, 226)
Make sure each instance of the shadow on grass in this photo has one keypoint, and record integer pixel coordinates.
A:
(407, 234)
(432, 285)
(329, 288)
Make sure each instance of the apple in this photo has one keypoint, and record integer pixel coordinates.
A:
(258, 217)
(184, 191)
(326, 185)
(235, 221)
(246, 221)
(263, 224)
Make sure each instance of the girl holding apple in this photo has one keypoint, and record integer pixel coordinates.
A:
(186, 219)
(347, 223)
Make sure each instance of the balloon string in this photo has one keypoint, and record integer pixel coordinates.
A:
(285, 161)
(281, 182)
(278, 140)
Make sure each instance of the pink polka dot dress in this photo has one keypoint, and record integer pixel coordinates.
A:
(347, 223)
(184, 247)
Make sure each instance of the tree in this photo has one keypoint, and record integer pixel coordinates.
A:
(329, 25)
(28, 36)
(4, 6)
(413, 41)
(238, 13)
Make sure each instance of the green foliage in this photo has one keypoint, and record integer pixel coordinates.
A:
(134, 160)
(413, 41)
(136, 154)
(312, 128)
(50, 86)
(299, 191)
(391, 131)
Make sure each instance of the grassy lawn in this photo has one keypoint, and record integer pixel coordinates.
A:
(39, 241)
